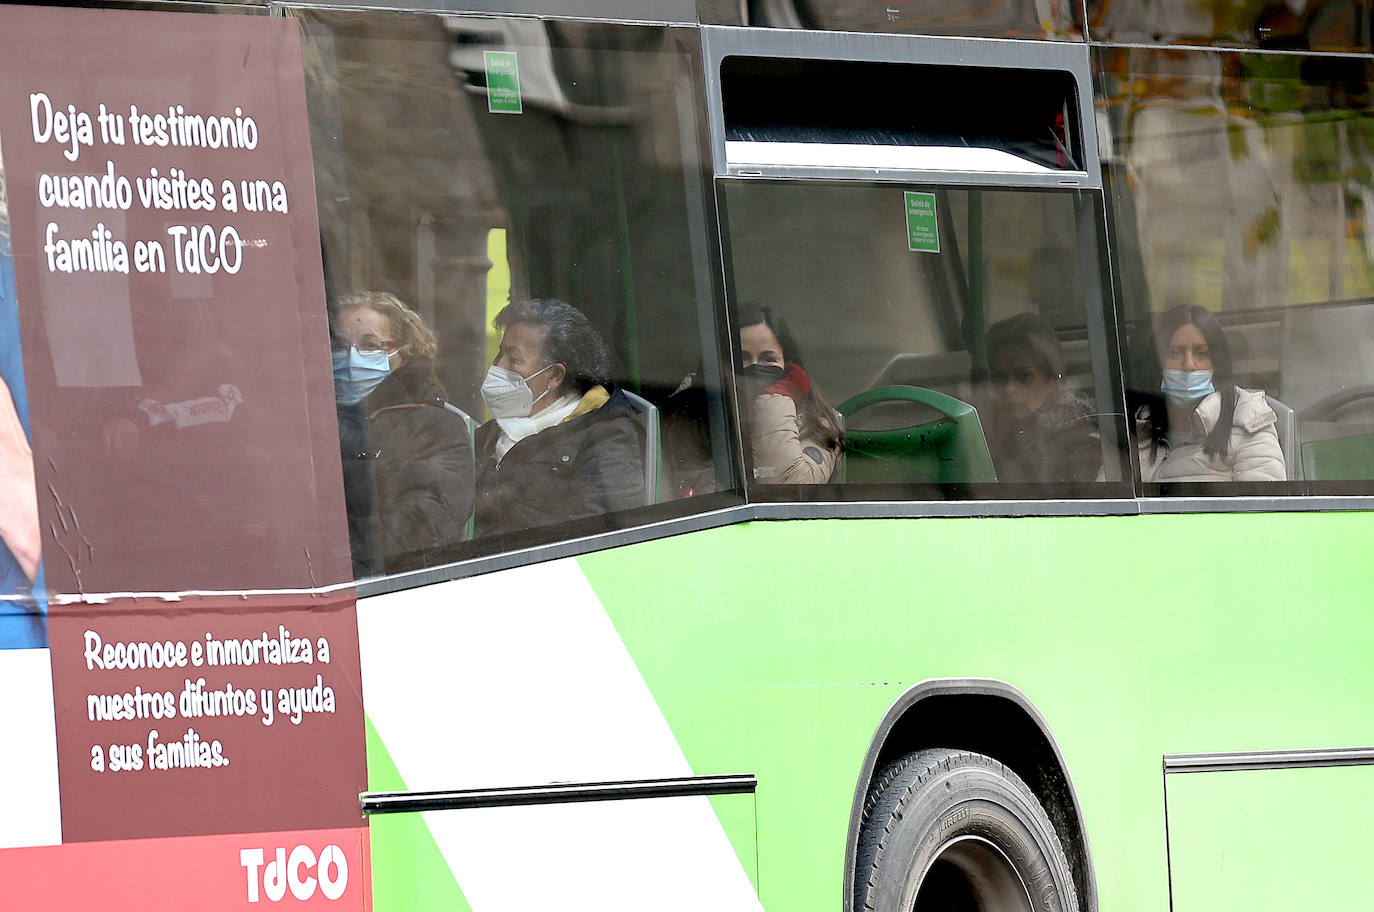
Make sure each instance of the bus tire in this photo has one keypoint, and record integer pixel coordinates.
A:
(955, 830)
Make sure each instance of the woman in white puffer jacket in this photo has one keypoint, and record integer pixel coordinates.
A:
(1201, 426)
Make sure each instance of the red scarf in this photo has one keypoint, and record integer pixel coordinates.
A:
(794, 384)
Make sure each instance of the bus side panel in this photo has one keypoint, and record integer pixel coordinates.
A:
(776, 648)
(1265, 839)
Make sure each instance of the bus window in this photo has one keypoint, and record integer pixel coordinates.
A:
(561, 163)
(1246, 184)
(947, 327)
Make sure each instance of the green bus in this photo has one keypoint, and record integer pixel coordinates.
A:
(783, 454)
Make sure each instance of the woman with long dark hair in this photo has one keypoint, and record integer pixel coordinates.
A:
(1192, 422)
(794, 430)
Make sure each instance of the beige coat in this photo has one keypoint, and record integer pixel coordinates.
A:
(1253, 455)
(781, 454)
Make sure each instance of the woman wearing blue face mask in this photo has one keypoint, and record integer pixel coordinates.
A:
(408, 468)
(1200, 426)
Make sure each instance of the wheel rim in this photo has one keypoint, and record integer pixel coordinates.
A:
(970, 874)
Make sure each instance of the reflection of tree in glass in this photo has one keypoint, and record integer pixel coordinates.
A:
(1210, 188)
(1320, 107)
(1247, 168)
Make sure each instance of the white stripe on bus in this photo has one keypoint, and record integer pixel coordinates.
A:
(519, 678)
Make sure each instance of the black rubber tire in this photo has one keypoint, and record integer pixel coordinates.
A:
(954, 831)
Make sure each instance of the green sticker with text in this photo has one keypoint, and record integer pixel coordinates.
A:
(922, 234)
(503, 82)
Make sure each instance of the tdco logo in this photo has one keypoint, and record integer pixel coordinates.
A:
(301, 872)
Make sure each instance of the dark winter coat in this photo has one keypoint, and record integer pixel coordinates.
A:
(1056, 443)
(420, 458)
(590, 464)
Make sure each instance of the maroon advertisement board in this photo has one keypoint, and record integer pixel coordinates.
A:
(207, 718)
(201, 625)
(167, 266)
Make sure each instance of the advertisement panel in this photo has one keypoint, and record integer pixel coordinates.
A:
(165, 354)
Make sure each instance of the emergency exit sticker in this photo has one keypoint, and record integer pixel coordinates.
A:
(922, 234)
(503, 82)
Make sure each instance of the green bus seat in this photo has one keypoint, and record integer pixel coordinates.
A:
(950, 449)
(1349, 458)
(1337, 437)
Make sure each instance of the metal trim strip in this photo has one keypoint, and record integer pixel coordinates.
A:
(561, 793)
(1314, 758)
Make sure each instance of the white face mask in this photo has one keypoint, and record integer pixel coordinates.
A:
(508, 395)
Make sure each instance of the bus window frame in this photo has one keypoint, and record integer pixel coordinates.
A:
(610, 11)
(1099, 322)
(719, 42)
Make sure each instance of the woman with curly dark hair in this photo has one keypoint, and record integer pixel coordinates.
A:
(560, 445)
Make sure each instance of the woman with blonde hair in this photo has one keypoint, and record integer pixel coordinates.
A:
(408, 469)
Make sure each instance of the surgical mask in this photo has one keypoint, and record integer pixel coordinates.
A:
(508, 395)
(1186, 386)
(357, 374)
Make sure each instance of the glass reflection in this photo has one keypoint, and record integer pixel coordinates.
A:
(1242, 186)
(980, 18)
(1296, 25)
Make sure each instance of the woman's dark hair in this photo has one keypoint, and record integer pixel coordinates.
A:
(817, 416)
(1028, 331)
(571, 340)
(1149, 349)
